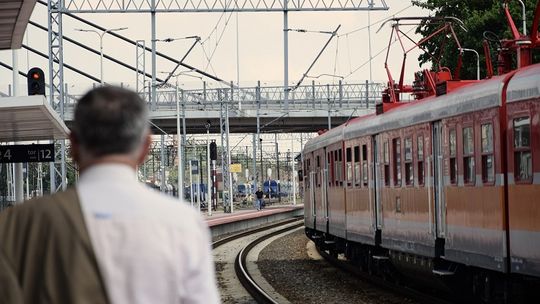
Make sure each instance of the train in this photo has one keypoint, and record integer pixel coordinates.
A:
(443, 189)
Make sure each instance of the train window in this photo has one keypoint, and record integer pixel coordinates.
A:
(468, 155)
(408, 149)
(364, 166)
(453, 162)
(336, 167)
(357, 166)
(522, 149)
(386, 153)
(488, 166)
(386, 159)
(340, 168)
(332, 158)
(396, 145)
(307, 173)
(420, 150)
(409, 172)
(348, 158)
(318, 171)
(305, 170)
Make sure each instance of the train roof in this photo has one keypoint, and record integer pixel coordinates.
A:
(329, 137)
(470, 98)
(525, 84)
(477, 96)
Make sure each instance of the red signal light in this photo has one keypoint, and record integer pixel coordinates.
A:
(36, 82)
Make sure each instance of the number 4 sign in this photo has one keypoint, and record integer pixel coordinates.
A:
(27, 153)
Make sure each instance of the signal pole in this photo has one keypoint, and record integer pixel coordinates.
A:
(208, 178)
(18, 176)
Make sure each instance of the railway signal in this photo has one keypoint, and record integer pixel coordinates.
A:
(36, 82)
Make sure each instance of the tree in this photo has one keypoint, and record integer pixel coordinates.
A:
(478, 16)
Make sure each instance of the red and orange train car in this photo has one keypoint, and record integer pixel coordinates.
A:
(447, 186)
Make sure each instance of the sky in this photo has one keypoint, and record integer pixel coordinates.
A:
(259, 40)
(258, 43)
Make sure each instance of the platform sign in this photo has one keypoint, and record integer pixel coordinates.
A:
(27, 153)
(194, 167)
(235, 168)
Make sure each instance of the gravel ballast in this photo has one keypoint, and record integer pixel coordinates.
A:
(286, 265)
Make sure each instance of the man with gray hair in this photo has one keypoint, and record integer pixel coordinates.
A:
(109, 239)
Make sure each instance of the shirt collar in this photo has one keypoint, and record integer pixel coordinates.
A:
(110, 172)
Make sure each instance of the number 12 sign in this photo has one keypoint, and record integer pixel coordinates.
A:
(27, 153)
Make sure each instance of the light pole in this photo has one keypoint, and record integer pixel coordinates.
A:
(101, 44)
(179, 148)
(477, 60)
(208, 178)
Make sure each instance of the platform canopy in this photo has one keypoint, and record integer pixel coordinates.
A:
(14, 16)
(29, 118)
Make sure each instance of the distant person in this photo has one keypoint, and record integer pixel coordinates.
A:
(260, 195)
(110, 239)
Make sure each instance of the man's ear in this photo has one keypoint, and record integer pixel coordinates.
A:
(75, 147)
(147, 142)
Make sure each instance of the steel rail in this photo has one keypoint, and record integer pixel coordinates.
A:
(245, 278)
(239, 235)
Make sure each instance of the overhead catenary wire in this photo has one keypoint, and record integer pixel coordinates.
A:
(65, 64)
(92, 50)
(336, 60)
(349, 53)
(375, 56)
(309, 31)
(334, 33)
(376, 22)
(214, 29)
(197, 39)
(132, 42)
(335, 74)
(208, 60)
(218, 41)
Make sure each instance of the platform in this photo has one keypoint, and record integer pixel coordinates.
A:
(29, 118)
(222, 223)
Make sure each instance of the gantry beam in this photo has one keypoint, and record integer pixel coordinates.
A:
(209, 6)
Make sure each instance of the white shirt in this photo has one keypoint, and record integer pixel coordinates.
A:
(150, 248)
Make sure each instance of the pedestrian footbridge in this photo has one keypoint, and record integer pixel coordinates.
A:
(308, 108)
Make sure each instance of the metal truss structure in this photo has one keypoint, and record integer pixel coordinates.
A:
(225, 151)
(56, 89)
(141, 66)
(156, 97)
(208, 6)
(305, 98)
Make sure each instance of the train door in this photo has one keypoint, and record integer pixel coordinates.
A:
(438, 184)
(324, 187)
(376, 165)
(312, 196)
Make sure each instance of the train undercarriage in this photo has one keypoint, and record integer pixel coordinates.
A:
(437, 276)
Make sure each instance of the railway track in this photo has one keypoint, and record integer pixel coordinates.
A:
(236, 236)
(240, 268)
(258, 293)
(381, 283)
